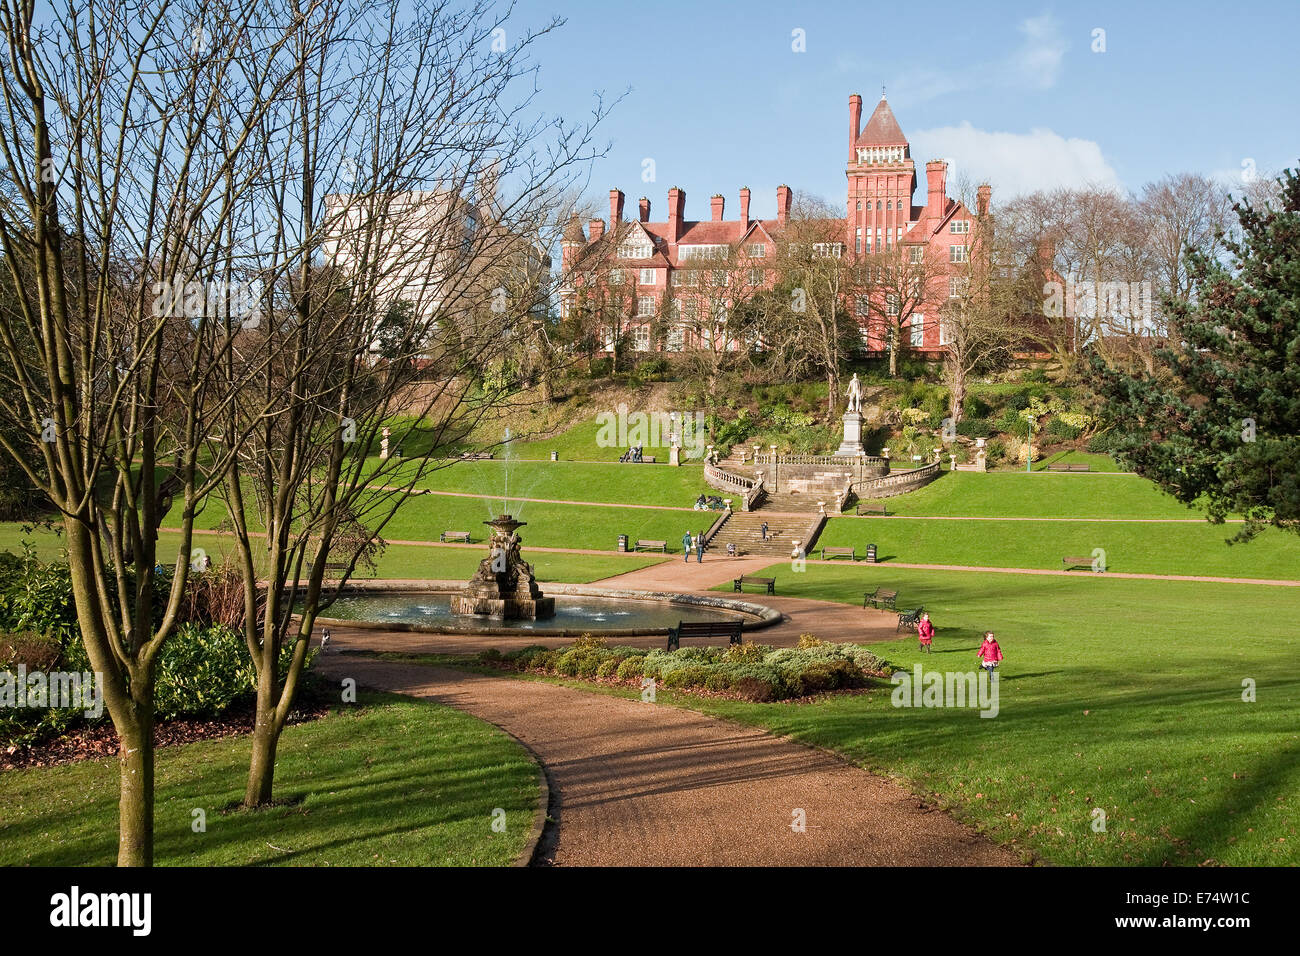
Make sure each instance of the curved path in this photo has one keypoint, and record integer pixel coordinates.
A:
(642, 784)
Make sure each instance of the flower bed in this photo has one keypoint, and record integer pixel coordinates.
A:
(755, 672)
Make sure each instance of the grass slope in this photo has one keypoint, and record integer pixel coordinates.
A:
(394, 782)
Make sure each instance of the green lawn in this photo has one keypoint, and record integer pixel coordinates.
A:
(1040, 495)
(398, 561)
(1119, 694)
(1196, 548)
(1102, 463)
(394, 782)
(572, 481)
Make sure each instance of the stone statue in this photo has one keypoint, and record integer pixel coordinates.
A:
(855, 394)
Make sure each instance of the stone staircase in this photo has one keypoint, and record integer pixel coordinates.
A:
(744, 529)
(802, 503)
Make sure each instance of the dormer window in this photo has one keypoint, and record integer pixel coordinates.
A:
(635, 250)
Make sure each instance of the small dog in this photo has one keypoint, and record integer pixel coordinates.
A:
(324, 641)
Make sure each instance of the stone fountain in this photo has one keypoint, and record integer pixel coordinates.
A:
(503, 587)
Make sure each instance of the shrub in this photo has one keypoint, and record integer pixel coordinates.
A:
(522, 657)
(203, 670)
(39, 652)
(717, 681)
(746, 652)
(491, 656)
(808, 640)
(601, 367)
(756, 689)
(995, 450)
(831, 675)
(974, 407)
(1059, 429)
(579, 662)
(1103, 443)
(607, 667)
(692, 675)
(545, 660)
(975, 428)
(589, 642)
(630, 667)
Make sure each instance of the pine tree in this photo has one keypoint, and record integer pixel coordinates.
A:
(1218, 424)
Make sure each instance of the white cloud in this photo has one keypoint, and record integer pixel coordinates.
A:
(1015, 163)
(1037, 61)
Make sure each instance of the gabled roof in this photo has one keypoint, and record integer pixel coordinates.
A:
(882, 129)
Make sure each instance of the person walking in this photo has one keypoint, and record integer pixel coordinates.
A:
(699, 548)
(764, 530)
(686, 547)
(925, 631)
(990, 654)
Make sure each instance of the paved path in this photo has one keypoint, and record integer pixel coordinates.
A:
(640, 784)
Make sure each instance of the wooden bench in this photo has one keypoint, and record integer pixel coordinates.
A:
(909, 618)
(476, 455)
(849, 553)
(728, 629)
(1078, 561)
(454, 536)
(768, 583)
(646, 543)
(872, 508)
(880, 598)
(1070, 466)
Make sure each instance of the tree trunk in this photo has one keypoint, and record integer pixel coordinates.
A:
(261, 768)
(893, 352)
(135, 805)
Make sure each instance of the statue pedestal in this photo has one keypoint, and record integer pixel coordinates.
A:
(675, 456)
(851, 446)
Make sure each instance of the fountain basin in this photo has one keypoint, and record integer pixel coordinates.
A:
(428, 607)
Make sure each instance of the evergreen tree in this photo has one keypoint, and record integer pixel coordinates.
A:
(1218, 424)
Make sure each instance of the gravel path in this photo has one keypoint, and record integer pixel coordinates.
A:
(641, 784)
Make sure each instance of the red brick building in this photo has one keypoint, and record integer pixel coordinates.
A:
(644, 258)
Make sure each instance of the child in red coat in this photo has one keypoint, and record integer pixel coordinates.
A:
(925, 630)
(990, 654)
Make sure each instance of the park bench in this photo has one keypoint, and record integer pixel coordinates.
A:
(476, 455)
(872, 508)
(909, 619)
(1069, 466)
(880, 598)
(646, 543)
(728, 629)
(849, 553)
(454, 536)
(740, 582)
(1078, 561)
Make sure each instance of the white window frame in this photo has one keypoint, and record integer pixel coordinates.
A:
(916, 326)
(959, 227)
(675, 339)
(958, 254)
(647, 277)
(641, 338)
(757, 251)
(917, 254)
(645, 305)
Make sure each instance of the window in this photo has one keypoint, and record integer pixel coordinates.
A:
(675, 339)
(857, 239)
(918, 331)
(615, 276)
(917, 252)
(635, 250)
(862, 306)
(717, 277)
(645, 305)
(702, 251)
(889, 204)
(757, 251)
(868, 207)
(957, 254)
(956, 287)
(647, 277)
(686, 277)
(859, 205)
(757, 277)
(891, 304)
(944, 333)
(641, 338)
(959, 226)
(868, 245)
(824, 249)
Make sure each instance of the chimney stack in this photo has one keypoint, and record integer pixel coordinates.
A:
(643, 208)
(936, 172)
(855, 125)
(676, 211)
(983, 195)
(615, 208)
(715, 207)
(596, 229)
(744, 205)
(782, 204)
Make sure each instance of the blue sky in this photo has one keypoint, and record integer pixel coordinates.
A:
(1008, 92)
